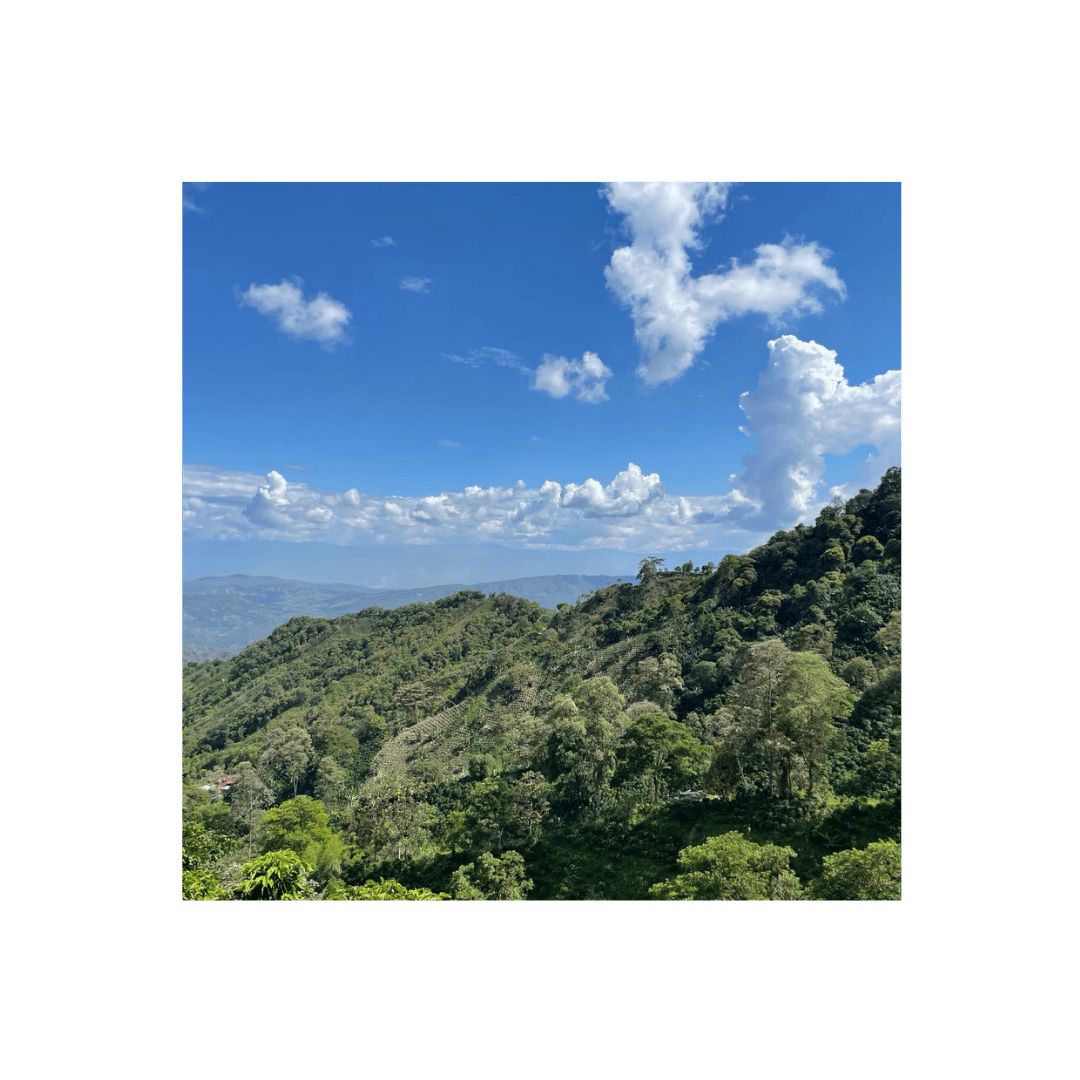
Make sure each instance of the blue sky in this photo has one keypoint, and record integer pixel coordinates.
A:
(406, 384)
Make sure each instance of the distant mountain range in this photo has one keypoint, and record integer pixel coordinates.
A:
(222, 615)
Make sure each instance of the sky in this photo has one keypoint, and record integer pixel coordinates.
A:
(411, 384)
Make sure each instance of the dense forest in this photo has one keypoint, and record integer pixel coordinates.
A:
(728, 731)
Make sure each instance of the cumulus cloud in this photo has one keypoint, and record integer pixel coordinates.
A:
(556, 376)
(625, 495)
(674, 312)
(322, 319)
(631, 512)
(802, 409)
(415, 284)
(384, 241)
(585, 378)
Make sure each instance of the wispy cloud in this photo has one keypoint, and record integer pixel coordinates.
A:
(287, 467)
(487, 354)
(415, 284)
(674, 312)
(189, 202)
(449, 444)
(585, 378)
(321, 318)
(384, 241)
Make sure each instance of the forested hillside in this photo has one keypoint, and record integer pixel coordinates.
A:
(725, 731)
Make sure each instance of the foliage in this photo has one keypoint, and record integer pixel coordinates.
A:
(730, 867)
(870, 874)
(301, 825)
(662, 753)
(491, 878)
(201, 848)
(383, 889)
(278, 875)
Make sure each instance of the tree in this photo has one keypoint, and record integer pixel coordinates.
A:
(488, 811)
(391, 817)
(811, 696)
(531, 804)
(867, 547)
(301, 825)
(662, 752)
(586, 727)
(755, 731)
(888, 639)
(859, 673)
(730, 867)
(278, 875)
(659, 679)
(870, 874)
(248, 793)
(200, 848)
(287, 754)
(648, 569)
(491, 878)
(331, 783)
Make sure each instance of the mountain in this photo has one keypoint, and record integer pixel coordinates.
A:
(224, 614)
(721, 732)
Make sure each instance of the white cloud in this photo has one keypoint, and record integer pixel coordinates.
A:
(625, 495)
(321, 319)
(673, 311)
(556, 376)
(631, 512)
(449, 444)
(415, 284)
(385, 241)
(802, 409)
(190, 205)
(585, 378)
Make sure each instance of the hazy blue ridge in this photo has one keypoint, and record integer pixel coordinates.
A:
(224, 614)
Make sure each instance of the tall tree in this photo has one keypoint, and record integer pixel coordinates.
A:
(287, 754)
(659, 679)
(755, 696)
(811, 697)
(247, 794)
(586, 727)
